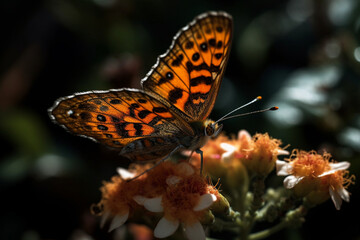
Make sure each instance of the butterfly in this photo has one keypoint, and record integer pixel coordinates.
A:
(171, 110)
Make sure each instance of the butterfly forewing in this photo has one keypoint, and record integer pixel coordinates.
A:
(118, 117)
(188, 76)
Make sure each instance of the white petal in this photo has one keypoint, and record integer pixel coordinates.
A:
(326, 173)
(185, 168)
(291, 181)
(125, 174)
(154, 204)
(283, 168)
(172, 180)
(118, 220)
(104, 218)
(205, 201)
(227, 147)
(244, 134)
(282, 152)
(165, 228)
(139, 199)
(336, 167)
(345, 195)
(227, 156)
(335, 197)
(194, 231)
(340, 165)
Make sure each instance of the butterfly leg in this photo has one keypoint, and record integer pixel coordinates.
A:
(199, 151)
(158, 163)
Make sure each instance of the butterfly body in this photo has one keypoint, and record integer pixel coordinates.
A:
(153, 146)
(171, 110)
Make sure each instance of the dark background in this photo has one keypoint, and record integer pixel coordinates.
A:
(301, 55)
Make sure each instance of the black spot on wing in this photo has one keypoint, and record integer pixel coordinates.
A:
(199, 80)
(219, 29)
(135, 105)
(102, 127)
(199, 95)
(204, 47)
(175, 95)
(120, 127)
(177, 61)
(101, 118)
(212, 42)
(159, 110)
(143, 113)
(115, 101)
(189, 44)
(138, 128)
(191, 67)
(104, 108)
(218, 55)
(142, 100)
(195, 57)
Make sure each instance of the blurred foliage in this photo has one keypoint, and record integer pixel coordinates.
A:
(301, 55)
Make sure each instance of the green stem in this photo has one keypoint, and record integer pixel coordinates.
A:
(293, 218)
(249, 218)
(266, 233)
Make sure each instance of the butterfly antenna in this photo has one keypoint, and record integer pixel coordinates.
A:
(250, 113)
(236, 109)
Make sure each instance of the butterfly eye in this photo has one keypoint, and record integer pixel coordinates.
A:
(213, 129)
(209, 130)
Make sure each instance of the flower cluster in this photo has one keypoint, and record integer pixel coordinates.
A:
(257, 154)
(315, 177)
(174, 196)
(177, 191)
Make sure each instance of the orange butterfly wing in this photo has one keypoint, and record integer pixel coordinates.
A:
(127, 119)
(188, 76)
(181, 87)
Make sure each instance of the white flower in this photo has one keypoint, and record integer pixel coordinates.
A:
(166, 226)
(337, 192)
(194, 231)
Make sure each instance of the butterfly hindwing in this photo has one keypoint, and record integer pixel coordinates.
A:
(188, 76)
(127, 119)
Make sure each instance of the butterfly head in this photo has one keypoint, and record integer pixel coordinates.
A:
(212, 129)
